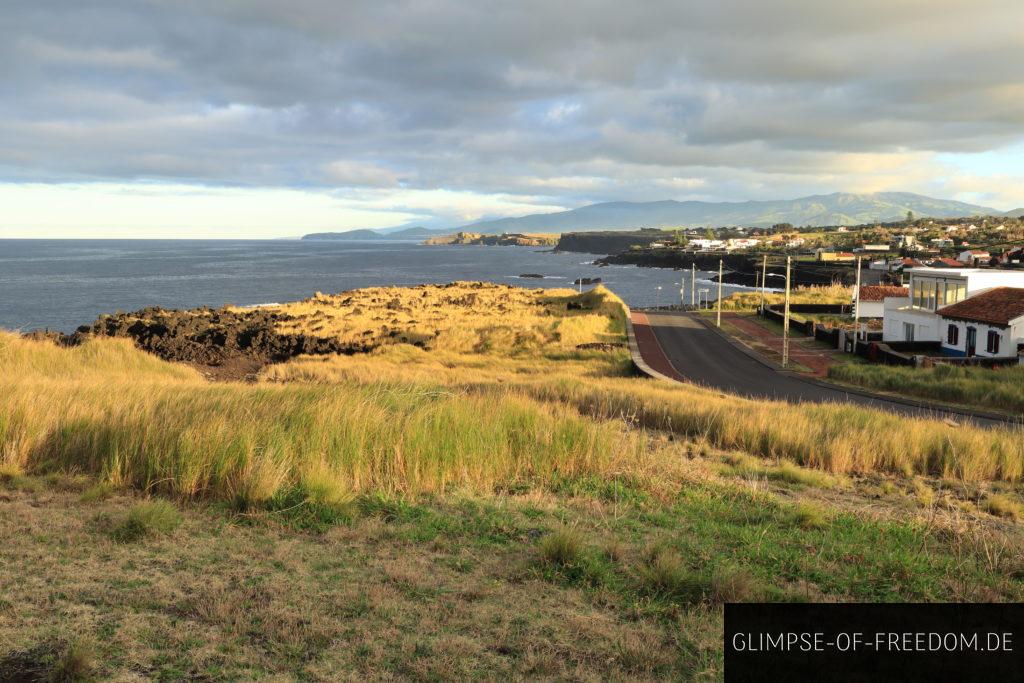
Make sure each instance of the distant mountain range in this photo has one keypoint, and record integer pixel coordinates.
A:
(839, 208)
(416, 233)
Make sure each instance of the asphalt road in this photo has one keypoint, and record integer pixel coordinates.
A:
(703, 356)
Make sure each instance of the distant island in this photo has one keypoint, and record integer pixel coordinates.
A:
(416, 233)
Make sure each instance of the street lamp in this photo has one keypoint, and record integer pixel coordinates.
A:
(658, 300)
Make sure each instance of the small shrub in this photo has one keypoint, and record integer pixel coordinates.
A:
(567, 560)
(75, 662)
(732, 584)
(388, 508)
(9, 472)
(923, 493)
(614, 551)
(152, 517)
(808, 517)
(94, 494)
(794, 474)
(1003, 506)
(561, 548)
(666, 576)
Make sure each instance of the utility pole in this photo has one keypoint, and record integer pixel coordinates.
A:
(856, 303)
(693, 282)
(785, 319)
(718, 321)
(764, 275)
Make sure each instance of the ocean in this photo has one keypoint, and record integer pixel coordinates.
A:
(61, 284)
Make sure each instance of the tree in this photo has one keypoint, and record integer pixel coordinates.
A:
(782, 227)
(709, 233)
(910, 217)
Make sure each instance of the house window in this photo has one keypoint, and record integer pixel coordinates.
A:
(924, 293)
(955, 291)
(929, 294)
(953, 335)
(993, 342)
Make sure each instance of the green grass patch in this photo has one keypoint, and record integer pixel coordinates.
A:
(1001, 389)
(150, 518)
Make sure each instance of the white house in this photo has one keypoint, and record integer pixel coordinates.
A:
(705, 244)
(742, 243)
(989, 324)
(873, 298)
(933, 288)
(974, 257)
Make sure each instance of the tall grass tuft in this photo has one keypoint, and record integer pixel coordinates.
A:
(159, 428)
(561, 548)
(149, 518)
(837, 438)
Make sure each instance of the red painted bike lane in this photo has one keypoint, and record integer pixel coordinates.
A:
(650, 348)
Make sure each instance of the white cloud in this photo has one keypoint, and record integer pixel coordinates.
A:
(355, 173)
(116, 210)
(553, 105)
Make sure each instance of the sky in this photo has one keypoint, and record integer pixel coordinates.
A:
(260, 118)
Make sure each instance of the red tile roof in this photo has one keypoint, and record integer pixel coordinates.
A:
(997, 306)
(879, 292)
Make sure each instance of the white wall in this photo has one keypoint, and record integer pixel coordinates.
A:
(872, 309)
(1009, 337)
(926, 323)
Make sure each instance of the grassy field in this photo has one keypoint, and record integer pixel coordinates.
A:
(1001, 389)
(749, 301)
(487, 510)
(470, 317)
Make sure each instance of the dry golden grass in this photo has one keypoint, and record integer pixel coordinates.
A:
(469, 317)
(836, 438)
(136, 421)
(407, 419)
(829, 294)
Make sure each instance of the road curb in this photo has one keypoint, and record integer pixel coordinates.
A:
(634, 351)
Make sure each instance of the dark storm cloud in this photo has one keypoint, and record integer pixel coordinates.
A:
(571, 100)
